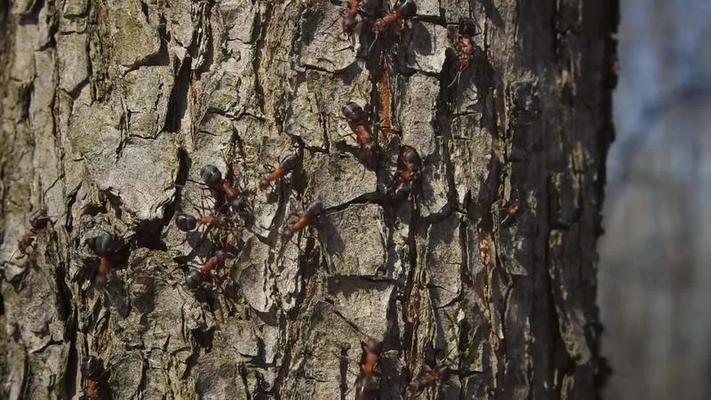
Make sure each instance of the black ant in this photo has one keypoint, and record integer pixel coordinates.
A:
(287, 165)
(197, 276)
(105, 246)
(368, 385)
(212, 177)
(38, 222)
(310, 214)
(93, 372)
(463, 54)
(407, 9)
(187, 222)
(357, 120)
(407, 174)
(428, 377)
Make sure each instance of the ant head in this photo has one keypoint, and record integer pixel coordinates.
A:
(104, 245)
(39, 219)
(185, 222)
(91, 367)
(314, 209)
(409, 155)
(194, 279)
(353, 112)
(290, 162)
(467, 26)
(210, 175)
(408, 8)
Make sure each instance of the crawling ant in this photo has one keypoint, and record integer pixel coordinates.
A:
(310, 214)
(512, 209)
(357, 120)
(287, 165)
(407, 174)
(212, 177)
(428, 377)
(93, 372)
(368, 386)
(349, 21)
(407, 9)
(464, 52)
(197, 276)
(105, 246)
(187, 222)
(38, 222)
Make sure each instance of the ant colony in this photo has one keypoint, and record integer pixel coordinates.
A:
(379, 148)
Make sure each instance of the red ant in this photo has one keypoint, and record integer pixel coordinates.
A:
(213, 179)
(357, 120)
(407, 9)
(197, 276)
(93, 372)
(349, 21)
(38, 221)
(512, 209)
(105, 246)
(311, 213)
(464, 53)
(427, 378)
(367, 386)
(187, 222)
(287, 165)
(407, 174)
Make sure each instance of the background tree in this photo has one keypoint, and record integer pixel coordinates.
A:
(111, 108)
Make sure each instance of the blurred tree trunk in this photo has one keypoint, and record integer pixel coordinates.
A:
(110, 108)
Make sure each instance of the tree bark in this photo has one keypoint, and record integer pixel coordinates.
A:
(111, 108)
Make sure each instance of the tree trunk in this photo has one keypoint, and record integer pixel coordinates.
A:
(486, 267)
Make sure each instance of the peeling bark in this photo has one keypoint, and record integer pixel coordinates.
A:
(111, 108)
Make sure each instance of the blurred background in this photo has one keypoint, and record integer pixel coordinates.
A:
(655, 257)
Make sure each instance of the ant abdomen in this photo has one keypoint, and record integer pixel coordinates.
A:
(353, 112)
(211, 175)
(194, 279)
(197, 276)
(290, 162)
(314, 209)
(105, 245)
(91, 367)
(408, 9)
(39, 219)
(185, 222)
(409, 154)
(213, 178)
(467, 26)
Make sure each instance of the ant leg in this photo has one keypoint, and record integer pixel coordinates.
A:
(455, 80)
(370, 48)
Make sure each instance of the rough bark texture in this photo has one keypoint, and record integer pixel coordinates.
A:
(111, 107)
